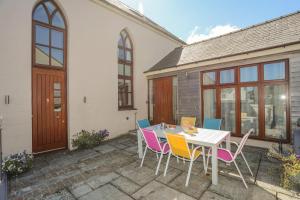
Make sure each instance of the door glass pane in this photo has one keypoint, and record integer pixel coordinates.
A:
(41, 55)
(41, 35)
(40, 14)
(57, 97)
(127, 70)
(248, 74)
(57, 39)
(58, 21)
(57, 57)
(209, 78)
(274, 71)
(209, 102)
(275, 111)
(227, 76)
(228, 109)
(249, 110)
(120, 69)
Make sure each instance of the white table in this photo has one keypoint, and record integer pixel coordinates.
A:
(203, 137)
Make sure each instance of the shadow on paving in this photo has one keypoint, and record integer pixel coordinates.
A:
(112, 171)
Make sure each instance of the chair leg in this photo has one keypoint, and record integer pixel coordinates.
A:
(144, 156)
(177, 160)
(189, 173)
(157, 168)
(247, 163)
(240, 174)
(167, 165)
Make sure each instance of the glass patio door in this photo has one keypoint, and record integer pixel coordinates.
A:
(228, 109)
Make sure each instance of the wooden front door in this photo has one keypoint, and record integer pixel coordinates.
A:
(162, 99)
(49, 130)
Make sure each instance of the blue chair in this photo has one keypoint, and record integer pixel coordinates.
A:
(212, 123)
(143, 123)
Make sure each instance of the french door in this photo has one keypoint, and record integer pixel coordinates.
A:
(246, 97)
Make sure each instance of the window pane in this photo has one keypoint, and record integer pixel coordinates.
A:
(121, 54)
(127, 43)
(227, 76)
(41, 55)
(275, 111)
(50, 7)
(40, 14)
(128, 86)
(57, 39)
(57, 57)
(120, 42)
(127, 70)
(249, 110)
(58, 21)
(209, 101)
(228, 109)
(209, 78)
(274, 71)
(41, 35)
(120, 69)
(128, 55)
(57, 97)
(248, 74)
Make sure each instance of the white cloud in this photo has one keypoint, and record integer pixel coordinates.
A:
(195, 36)
(141, 7)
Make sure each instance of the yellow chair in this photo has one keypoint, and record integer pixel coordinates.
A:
(180, 149)
(188, 121)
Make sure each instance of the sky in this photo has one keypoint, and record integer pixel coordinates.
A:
(195, 20)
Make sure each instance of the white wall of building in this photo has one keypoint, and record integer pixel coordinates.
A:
(93, 32)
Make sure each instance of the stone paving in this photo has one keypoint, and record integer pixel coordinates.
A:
(111, 172)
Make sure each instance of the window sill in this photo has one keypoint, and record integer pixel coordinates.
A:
(126, 109)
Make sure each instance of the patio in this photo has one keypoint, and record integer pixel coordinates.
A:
(111, 171)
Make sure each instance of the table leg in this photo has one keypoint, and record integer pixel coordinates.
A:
(214, 163)
(140, 143)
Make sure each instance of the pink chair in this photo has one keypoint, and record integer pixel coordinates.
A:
(154, 145)
(229, 157)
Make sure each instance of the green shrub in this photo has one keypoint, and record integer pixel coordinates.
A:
(291, 171)
(16, 164)
(86, 139)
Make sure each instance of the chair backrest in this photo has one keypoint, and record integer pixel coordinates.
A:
(178, 145)
(243, 142)
(212, 123)
(151, 139)
(143, 123)
(188, 121)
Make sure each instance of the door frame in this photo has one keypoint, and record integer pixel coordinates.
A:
(64, 68)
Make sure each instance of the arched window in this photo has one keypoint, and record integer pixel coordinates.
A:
(125, 72)
(49, 36)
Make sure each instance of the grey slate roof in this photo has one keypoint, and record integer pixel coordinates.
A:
(281, 31)
(137, 15)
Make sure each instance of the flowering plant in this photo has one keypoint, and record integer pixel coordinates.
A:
(86, 139)
(16, 164)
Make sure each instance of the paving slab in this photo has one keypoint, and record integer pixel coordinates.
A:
(260, 193)
(158, 191)
(106, 148)
(198, 184)
(80, 189)
(171, 175)
(60, 195)
(139, 175)
(208, 195)
(97, 181)
(125, 185)
(106, 192)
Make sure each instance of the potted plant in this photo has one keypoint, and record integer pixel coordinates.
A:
(85, 139)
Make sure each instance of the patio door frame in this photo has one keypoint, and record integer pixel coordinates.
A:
(260, 84)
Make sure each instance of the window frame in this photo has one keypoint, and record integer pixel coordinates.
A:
(125, 62)
(260, 83)
(50, 27)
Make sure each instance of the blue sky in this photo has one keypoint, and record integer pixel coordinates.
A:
(195, 20)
